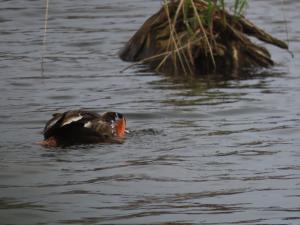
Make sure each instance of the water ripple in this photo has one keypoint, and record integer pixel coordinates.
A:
(199, 151)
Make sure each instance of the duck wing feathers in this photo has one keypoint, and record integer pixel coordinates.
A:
(70, 119)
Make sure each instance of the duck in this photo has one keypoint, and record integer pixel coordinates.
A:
(84, 127)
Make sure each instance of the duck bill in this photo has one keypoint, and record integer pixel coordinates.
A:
(120, 127)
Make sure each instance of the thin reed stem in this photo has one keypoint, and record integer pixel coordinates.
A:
(45, 35)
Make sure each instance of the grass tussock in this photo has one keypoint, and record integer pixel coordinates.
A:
(197, 37)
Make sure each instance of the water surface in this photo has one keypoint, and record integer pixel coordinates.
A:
(200, 152)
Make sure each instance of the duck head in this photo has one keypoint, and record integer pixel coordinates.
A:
(117, 122)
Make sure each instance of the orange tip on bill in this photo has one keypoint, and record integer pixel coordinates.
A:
(120, 127)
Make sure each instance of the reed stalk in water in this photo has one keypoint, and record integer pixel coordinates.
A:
(45, 35)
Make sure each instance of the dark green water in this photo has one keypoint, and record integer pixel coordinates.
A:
(200, 153)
